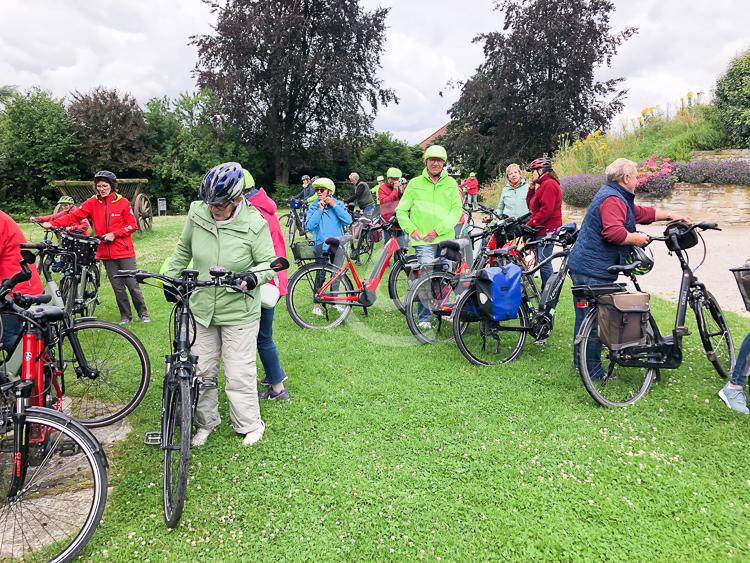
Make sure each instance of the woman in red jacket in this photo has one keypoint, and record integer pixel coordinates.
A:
(114, 222)
(544, 200)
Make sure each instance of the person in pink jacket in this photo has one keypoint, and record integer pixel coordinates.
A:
(269, 295)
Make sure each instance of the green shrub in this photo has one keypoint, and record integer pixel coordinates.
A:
(732, 99)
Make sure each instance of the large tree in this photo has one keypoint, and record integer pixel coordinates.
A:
(112, 131)
(290, 71)
(537, 82)
(384, 151)
(37, 145)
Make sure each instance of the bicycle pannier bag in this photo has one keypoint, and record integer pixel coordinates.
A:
(623, 318)
(499, 292)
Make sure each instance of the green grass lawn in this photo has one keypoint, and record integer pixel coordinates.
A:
(391, 450)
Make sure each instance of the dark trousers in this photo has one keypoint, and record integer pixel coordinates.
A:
(269, 355)
(119, 285)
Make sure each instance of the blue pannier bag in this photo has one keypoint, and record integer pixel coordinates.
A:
(499, 292)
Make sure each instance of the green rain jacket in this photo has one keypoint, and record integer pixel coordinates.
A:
(242, 245)
(426, 206)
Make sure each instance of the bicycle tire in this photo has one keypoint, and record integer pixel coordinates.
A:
(116, 353)
(716, 339)
(436, 293)
(607, 388)
(178, 410)
(364, 247)
(398, 281)
(65, 293)
(53, 492)
(291, 230)
(300, 296)
(91, 291)
(471, 331)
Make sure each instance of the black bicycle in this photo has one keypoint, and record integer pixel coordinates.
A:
(294, 221)
(484, 341)
(181, 384)
(618, 375)
(53, 471)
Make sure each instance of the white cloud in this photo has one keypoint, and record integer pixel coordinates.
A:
(142, 47)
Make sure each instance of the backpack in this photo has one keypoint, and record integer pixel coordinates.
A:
(499, 292)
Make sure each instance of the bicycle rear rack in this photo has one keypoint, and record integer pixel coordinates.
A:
(152, 439)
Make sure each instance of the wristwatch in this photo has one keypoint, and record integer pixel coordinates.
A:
(669, 216)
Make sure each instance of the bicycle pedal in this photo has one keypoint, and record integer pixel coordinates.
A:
(152, 439)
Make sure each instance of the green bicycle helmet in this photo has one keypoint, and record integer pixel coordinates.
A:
(326, 183)
(435, 151)
(644, 257)
(65, 199)
(393, 172)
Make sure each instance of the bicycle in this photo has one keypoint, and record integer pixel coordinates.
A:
(622, 376)
(75, 257)
(363, 230)
(484, 341)
(181, 384)
(434, 293)
(93, 370)
(295, 219)
(314, 287)
(53, 471)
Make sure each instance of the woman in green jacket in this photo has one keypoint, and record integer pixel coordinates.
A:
(222, 231)
(513, 197)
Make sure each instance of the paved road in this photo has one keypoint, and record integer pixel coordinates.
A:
(725, 249)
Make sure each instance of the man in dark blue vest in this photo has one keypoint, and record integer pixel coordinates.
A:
(607, 233)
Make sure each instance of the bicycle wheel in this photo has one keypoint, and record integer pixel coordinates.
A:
(67, 293)
(398, 281)
(90, 295)
(53, 507)
(177, 430)
(715, 336)
(608, 383)
(429, 306)
(301, 298)
(364, 248)
(291, 228)
(118, 377)
(485, 342)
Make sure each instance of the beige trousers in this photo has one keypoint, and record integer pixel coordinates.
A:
(237, 345)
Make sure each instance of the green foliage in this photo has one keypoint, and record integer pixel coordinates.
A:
(692, 128)
(537, 82)
(383, 152)
(290, 73)
(732, 99)
(188, 138)
(37, 144)
(112, 132)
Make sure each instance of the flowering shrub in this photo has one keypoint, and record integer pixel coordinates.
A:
(655, 176)
(580, 189)
(722, 172)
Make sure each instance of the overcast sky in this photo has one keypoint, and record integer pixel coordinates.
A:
(142, 47)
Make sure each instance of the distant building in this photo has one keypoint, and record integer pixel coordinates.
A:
(432, 139)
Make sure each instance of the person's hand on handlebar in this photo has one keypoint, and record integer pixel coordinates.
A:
(248, 281)
(47, 225)
(636, 239)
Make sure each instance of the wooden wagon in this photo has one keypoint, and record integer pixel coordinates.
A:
(131, 188)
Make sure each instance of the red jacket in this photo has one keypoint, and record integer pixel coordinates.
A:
(80, 227)
(389, 198)
(111, 214)
(11, 238)
(545, 203)
(267, 208)
(472, 186)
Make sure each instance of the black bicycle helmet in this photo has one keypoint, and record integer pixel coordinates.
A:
(643, 257)
(222, 184)
(107, 176)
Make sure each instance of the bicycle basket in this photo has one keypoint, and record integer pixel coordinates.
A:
(623, 318)
(742, 275)
(686, 237)
(304, 250)
(82, 246)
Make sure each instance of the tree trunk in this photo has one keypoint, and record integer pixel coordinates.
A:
(281, 165)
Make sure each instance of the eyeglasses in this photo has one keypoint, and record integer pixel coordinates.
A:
(220, 206)
(320, 190)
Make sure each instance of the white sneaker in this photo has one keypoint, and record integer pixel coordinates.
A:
(200, 437)
(424, 324)
(317, 311)
(254, 436)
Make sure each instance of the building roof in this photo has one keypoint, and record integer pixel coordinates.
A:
(430, 140)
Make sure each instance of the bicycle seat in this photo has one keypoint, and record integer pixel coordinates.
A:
(364, 220)
(47, 314)
(593, 291)
(450, 250)
(623, 268)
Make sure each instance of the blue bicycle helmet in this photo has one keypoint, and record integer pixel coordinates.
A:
(222, 184)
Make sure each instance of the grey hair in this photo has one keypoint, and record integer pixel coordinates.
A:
(617, 170)
(354, 176)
